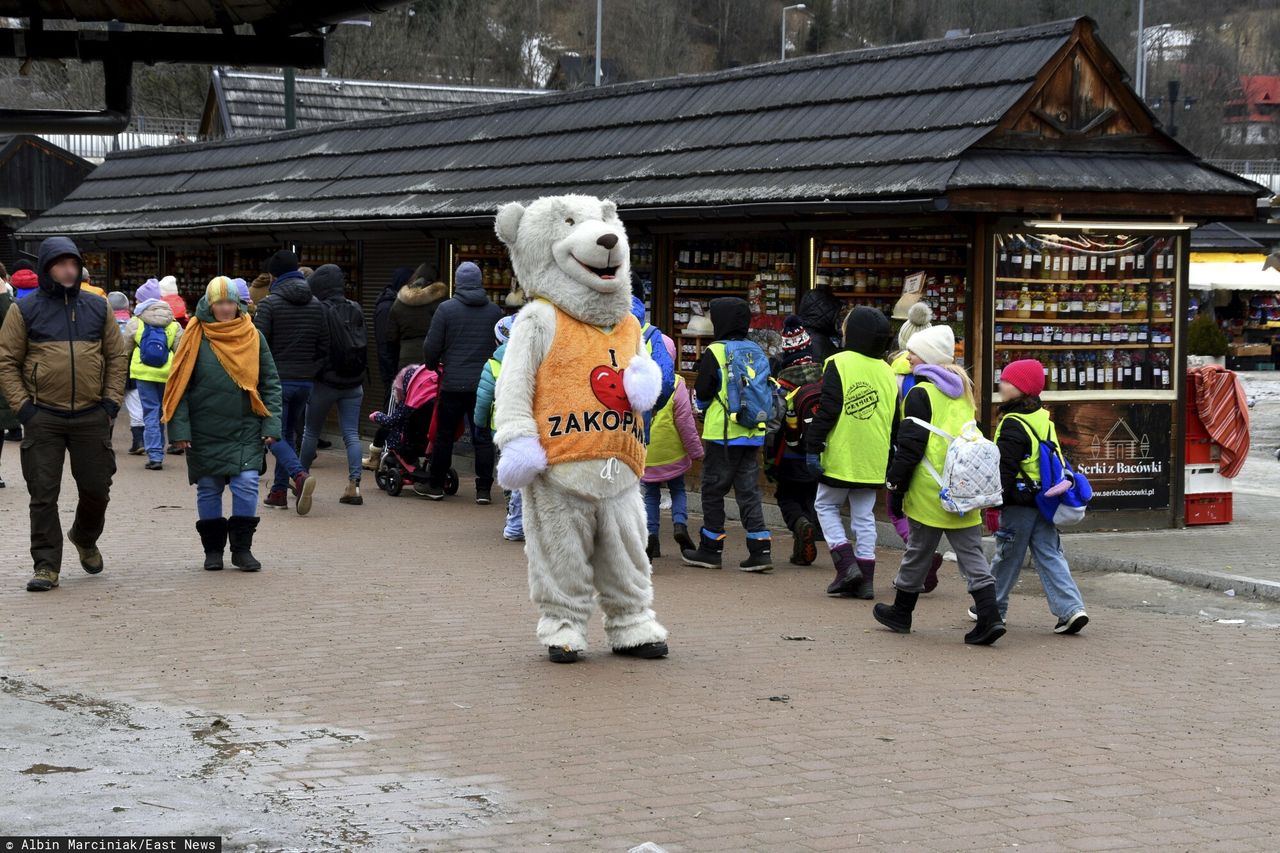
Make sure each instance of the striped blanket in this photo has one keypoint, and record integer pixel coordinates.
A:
(1224, 409)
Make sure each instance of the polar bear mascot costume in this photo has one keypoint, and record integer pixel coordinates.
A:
(574, 385)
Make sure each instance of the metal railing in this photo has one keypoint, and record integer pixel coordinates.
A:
(143, 132)
(1265, 172)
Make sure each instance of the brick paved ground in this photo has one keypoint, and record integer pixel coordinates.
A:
(396, 640)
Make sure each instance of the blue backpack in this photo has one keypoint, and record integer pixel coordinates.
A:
(153, 349)
(1064, 505)
(749, 397)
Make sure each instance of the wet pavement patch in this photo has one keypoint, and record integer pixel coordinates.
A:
(79, 765)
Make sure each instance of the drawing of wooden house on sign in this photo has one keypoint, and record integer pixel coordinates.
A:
(1120, 442)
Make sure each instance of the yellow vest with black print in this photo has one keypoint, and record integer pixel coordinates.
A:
(145, 372)
(1038, 426)
(922, 503)
(857, 448)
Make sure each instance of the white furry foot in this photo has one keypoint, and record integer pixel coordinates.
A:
(555, 633)
(634, 629)
(522, 459)
(642, 380)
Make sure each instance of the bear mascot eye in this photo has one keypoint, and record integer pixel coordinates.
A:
(568, 220)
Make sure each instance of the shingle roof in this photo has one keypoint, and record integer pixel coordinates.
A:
(881, 123)
(253, 103)
(1220, 237)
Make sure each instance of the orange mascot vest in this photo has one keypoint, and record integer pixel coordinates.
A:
(579, 403)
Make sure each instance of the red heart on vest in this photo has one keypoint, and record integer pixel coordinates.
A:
(606, 384)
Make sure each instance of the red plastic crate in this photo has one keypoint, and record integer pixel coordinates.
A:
(1201, 451)
(1208, 509)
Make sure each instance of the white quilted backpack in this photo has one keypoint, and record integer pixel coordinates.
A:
(970, 477)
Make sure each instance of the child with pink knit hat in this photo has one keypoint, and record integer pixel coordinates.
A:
(1024, 425)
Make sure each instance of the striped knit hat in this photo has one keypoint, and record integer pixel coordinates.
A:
(221, 289)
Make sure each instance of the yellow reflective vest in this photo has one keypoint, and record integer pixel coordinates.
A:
(922, 503)
(145, 372)
(857, 449)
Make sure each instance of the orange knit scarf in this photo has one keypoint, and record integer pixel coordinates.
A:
(234, 342)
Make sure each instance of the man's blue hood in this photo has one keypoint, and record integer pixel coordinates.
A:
(53, 249)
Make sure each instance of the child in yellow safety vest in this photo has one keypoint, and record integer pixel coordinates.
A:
(673, 445)
(149, 367)
(482, 417)
(848, 447)
(1024, 423)
(941, 400)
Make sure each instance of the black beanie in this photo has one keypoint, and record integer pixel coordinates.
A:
(282, 262)
(24, 264)
(866, 331)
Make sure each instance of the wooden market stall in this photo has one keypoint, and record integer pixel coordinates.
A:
(1012, 179)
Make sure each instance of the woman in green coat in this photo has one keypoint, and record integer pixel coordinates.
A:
(222, 404)
(8, 420)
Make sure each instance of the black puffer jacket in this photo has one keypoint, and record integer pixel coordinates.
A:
(411, 314)
(329, 285)
(388, 354)
(461, 338)
(820, 313)
(293, 322)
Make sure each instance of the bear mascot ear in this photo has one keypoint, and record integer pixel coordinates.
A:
(507, 222)
(608, 210)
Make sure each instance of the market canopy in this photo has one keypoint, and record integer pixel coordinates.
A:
(965, 124)
(1232, 271)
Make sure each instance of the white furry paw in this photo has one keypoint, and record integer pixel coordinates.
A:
(642, 380)
(522, 460)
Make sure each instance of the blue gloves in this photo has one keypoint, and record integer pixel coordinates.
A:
(813, 462)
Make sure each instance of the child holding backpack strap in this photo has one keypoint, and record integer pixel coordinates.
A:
(734, 394)
(848, 447)
(941, 401)
(1025, 432)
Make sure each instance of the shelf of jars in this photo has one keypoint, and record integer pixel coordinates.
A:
(129, 270)
(760, 271)
(95, 264)
(193, 268)
(875, 269)
(344, 255)
(247, 263)
(495, 267)
(1098, 312)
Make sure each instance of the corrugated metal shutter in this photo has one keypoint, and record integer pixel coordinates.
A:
(380, 260)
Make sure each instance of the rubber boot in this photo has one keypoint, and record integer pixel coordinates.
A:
(654, 549)
(240, 530)
(848, 576)
(931, 577)
(680, 533)
(897, 616)
(709, 553)
(213, 536)
(990, 626)
(137, 448)
(803, 551)
(759, 555)
(866, 589)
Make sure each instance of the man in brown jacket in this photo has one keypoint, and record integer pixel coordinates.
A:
(62, 369)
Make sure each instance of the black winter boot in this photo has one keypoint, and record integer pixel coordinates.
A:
(240, 530)
(653, 550)
(803, 549)
(848, 576)
(866, 589)
(213, 536)
(709, 554)
(990, 626)
(759, 556)
(680, 533)
(897, 617)
(137, 448)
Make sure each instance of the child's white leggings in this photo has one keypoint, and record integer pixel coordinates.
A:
(862, 518)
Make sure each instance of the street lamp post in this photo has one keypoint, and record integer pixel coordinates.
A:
(1140, 75)
(785, 10)
(599, 30)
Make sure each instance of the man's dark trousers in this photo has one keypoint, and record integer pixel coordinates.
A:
(48, 439)
(452, 408)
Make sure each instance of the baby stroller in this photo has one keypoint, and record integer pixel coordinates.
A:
(411, 425)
